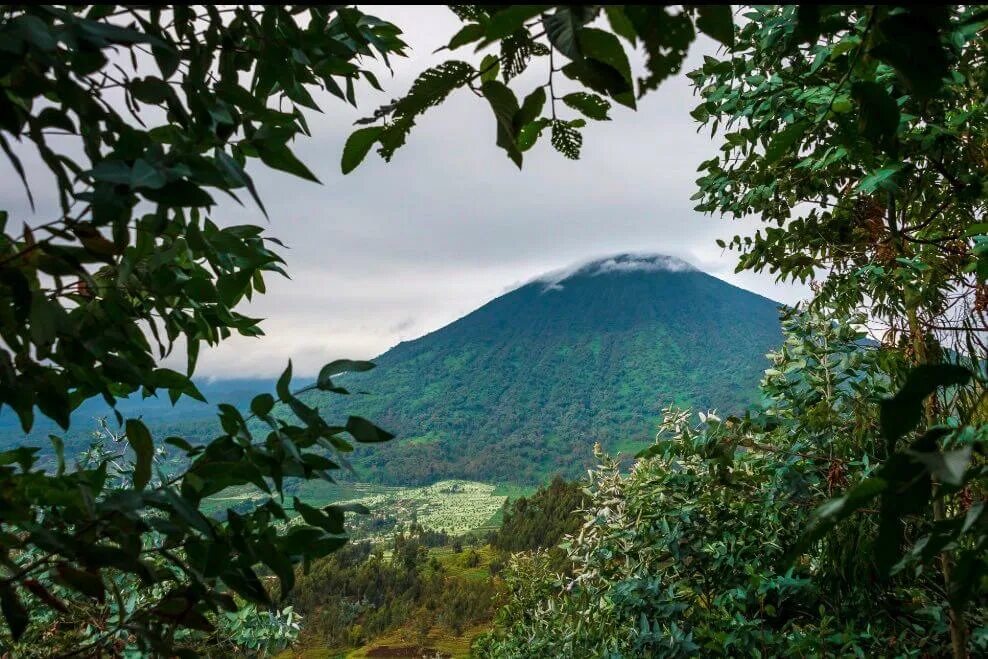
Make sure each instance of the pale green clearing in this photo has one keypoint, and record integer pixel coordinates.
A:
(453, 506)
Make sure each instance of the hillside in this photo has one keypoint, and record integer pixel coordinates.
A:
(522, 387)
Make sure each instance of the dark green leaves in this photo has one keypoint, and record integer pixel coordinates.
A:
(13, 610)
(276, 154)
(140, 441)
(325, 379)
(911, 43)
(878, 113)
(605, 67)
(505, 106)
(434, 85)
(131, 262)
(591, 106)
(566, 139)
(357, 146)
(902, 412)
(784, 141)
(716, 21)
(366, 432)
(561, 28)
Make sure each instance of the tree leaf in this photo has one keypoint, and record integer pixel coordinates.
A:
(561, 27)
(604, 47)
(13, 610)
(339, 366)
(140, 441)
(276, 154)
(716, 21)
(366, 432)
(505, 106)
(357, 146)
(782, 143)
(469, 34)
(591, 106)
(878, 116)
(902, 412)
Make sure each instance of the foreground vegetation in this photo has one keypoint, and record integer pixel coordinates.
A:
(854, 134)
(687, 553)
(420, 591)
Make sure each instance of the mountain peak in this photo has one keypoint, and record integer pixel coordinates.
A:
(617, 264)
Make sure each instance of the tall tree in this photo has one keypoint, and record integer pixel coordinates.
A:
(858, 137)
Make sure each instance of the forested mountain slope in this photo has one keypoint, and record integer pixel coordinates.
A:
(522, 387)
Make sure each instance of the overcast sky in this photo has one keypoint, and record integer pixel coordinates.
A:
(393, 251)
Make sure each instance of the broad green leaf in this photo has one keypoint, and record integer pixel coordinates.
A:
(783, 142)
(880, 179)
(277, 155)
(589, 105)
(357, 146)
(144, 175)
(902, 412)
(878, 114)
(561, 28)
(469, 34)
(339, 366)
(604, 47)
(140, 441)
(530, 109)
(366, 432)
(716, 21)
(489, 68)
(505, 106)
(262, 404)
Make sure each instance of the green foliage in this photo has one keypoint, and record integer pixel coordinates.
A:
(862, 160)
(596, 62)
(540, 521)
(359, 594)
(857, 136)
(685, 554)
(135, 263)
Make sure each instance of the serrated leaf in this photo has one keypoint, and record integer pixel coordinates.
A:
(566, 139)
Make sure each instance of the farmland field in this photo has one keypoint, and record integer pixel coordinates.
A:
(453, 506)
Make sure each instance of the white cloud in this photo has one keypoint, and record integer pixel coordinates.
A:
(631, 262)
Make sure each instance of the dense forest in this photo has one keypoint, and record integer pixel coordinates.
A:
(836, 509)
(427, 592)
